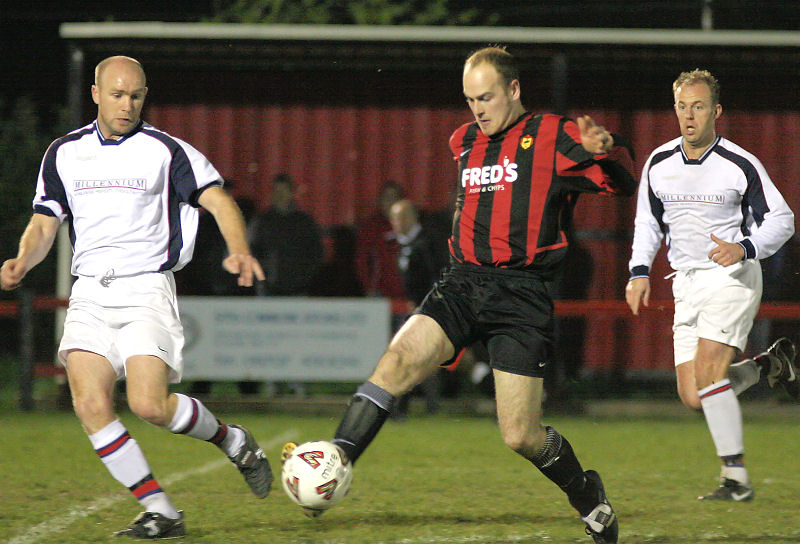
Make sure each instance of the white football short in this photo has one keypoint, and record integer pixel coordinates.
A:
(718, 304)
(118, 317)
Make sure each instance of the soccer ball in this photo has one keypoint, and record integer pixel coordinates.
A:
(315, 476)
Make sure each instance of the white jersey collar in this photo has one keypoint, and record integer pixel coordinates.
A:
(112, 141)
(705, 154)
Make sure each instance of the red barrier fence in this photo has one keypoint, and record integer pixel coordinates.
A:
(781, 311)
(609, 337)
(11, 308)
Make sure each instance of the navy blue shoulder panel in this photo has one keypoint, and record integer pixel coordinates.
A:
(753, 198)
(53, 184)
(181, 175)
(181, 185)
(655, 203)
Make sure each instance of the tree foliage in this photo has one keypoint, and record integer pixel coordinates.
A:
(360, 12)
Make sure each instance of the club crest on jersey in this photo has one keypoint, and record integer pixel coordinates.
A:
(526, 141)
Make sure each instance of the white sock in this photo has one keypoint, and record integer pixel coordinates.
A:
(479, 371)
(125, 460)
(233, 441)
(724, 417)
(193, 419)
(735, 472)
(743, 375)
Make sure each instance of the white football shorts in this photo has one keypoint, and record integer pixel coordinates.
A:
(118, 317)
(718, 304)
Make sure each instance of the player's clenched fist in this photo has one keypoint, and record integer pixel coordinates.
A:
(11, 274)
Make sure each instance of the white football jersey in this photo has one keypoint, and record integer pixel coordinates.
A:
(726, 192)
(131, 203)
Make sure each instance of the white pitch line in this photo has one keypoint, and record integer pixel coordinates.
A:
(540, 536)
(59, 523)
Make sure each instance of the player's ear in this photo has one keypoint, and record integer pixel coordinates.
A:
(514, 89)
(95, 94)
(717, 111)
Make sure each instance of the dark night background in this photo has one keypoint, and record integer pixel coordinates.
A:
(33, 58)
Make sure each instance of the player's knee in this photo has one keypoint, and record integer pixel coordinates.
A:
(396, 370)
(149, 410)
(692, 402)
(694, 405)
(522, 442)
(92, 407)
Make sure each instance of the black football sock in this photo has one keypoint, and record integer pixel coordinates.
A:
(557, 461)
(364, 417)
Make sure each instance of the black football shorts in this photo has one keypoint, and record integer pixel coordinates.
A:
(509, 311)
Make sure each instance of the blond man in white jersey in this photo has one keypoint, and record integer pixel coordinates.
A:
(130, 194)
(720, 213)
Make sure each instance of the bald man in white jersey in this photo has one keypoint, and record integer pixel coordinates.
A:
(720, 214)
(131, 195)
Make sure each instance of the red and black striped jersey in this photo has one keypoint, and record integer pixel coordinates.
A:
(517, 190)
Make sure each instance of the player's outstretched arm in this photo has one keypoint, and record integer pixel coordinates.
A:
(637, 292)
(34, 245)
(231, 224)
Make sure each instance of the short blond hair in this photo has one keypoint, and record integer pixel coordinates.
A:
(497, 56)
(698, 76)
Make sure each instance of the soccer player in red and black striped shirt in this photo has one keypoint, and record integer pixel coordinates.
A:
(519, 175)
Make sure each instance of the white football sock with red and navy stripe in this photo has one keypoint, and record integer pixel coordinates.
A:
(193, 419)
(743, 375)
(124, 459)
(724, 419)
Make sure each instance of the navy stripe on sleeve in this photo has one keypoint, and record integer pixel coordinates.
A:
(656, 206)
(181, 175)
(754, 197)
(53, 184)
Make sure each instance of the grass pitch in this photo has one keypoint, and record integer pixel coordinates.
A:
(429, 480)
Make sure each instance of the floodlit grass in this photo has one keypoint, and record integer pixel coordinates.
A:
(429, 480)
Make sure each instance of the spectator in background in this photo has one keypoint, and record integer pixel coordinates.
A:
(337, 277)
(204, 276)
(438, 224)
(569, 333)
(376, 248)
(287, 242)
(417, 257)
(417, 262)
